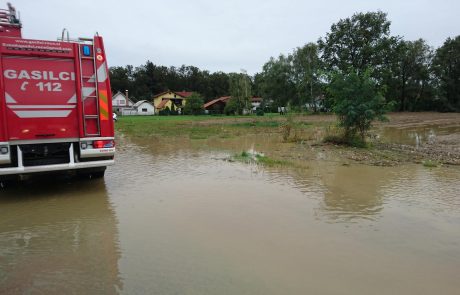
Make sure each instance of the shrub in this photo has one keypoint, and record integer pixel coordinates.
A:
(356, 102)
(194, 105)
(260, 112)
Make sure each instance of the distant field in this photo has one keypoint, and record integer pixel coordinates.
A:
(201, 127)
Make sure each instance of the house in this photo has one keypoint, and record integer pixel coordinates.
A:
(216, 106)
(170, 99)
(140, 108)
(255, 102)
(121, 101)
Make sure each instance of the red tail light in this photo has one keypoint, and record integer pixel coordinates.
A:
(100, 144)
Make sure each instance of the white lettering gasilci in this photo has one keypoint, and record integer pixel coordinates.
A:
(38, 75)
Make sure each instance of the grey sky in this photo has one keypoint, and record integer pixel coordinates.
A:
(222, 35)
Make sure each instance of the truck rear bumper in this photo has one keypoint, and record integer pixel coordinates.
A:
(56, 167)
(72, 165)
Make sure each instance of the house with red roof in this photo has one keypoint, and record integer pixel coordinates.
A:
(173, 100)
(216, 106)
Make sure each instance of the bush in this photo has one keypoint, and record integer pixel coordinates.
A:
(165, 112)
(357, 103)
(231, 107)
(260, 112)
(194, 105)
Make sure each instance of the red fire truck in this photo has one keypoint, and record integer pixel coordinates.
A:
(55, 104)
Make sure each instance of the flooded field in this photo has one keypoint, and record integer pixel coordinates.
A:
(174, 216)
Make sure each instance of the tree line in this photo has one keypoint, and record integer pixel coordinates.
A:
(409, 75)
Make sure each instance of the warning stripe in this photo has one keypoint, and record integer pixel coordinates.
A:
(103, 105)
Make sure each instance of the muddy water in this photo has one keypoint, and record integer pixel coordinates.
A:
(418, 135)
(173, 217)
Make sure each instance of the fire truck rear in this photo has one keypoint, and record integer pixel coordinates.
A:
(55, 104)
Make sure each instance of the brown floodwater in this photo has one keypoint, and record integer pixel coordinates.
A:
(174, 217)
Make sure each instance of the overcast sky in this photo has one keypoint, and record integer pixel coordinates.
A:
(222, 35)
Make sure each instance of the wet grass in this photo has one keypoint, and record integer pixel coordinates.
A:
(257, 158)
(430, 164)
(197, 127)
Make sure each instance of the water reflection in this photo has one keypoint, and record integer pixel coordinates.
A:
(417, 135)
(58, 236)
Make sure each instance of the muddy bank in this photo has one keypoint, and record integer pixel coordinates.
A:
(404, 138)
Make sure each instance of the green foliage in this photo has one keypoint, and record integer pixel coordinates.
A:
(446, 65)
(194, 105)
(275, 81)
(231, 108)
(165, 112)
(356, 102)
(260, 112)
(148, 79)
(307, 74)
(240, 91)
(409, 82)
(430, 164)
(360, 42)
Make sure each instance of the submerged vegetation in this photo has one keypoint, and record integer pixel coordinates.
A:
(258, 158)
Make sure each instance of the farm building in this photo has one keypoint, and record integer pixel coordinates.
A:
(216, 106)
(140, 108)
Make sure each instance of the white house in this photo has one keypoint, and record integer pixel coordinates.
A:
(140, 108)
(120, 101)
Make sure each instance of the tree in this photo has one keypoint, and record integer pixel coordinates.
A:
(357, 102)
(411, 70)
(361, 42)
(240, 91)
(194, 105)
(446, 65)
(276, 81)
(307, 71)
(121, 78)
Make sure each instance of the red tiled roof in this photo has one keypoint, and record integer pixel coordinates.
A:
(210, 103)
(162, 103)
(183, 93)
(256, 99)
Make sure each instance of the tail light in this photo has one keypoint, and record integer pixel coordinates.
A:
(100, 144)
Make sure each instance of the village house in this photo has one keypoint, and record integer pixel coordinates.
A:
(121, 101)
(140, 108)
(171, 99)
(216, 106)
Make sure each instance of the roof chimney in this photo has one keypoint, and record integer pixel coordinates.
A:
(127, 97)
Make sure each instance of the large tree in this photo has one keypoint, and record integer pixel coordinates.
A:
(446, 65)
(361, 42)
(276, 81)
(411, 70)
(240, 91)
(307, 72)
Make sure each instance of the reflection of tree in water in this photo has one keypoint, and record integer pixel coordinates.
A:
(353, 192)
(345, 193)
(58, 238)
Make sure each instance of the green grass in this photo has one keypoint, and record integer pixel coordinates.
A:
(430, 164)
(246, 157)
(194, 127)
